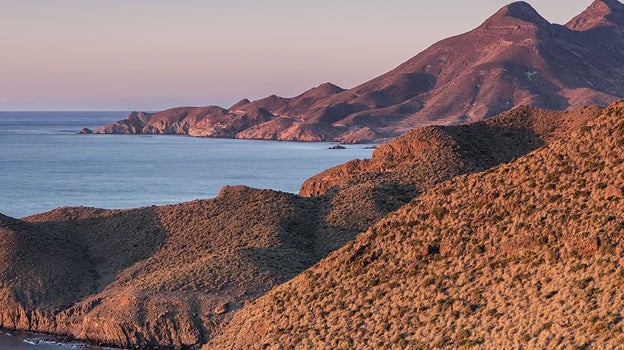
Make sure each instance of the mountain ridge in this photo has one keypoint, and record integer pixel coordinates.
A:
(523, 255)
(515, 57)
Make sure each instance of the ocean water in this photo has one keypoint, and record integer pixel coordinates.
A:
(26, 341)
(45, 164)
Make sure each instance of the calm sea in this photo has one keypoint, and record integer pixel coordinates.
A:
(25, 341)
(45, 164)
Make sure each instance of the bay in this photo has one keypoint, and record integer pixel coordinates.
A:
(45, 164)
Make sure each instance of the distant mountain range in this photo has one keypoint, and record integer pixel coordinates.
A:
(514, 58)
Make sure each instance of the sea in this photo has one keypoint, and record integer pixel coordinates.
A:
(31, 341)
(45, 164)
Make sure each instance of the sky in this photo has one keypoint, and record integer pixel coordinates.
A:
(155, 54)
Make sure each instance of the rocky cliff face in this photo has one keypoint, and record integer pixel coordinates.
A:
(514, 58)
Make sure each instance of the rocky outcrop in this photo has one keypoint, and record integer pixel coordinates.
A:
(514, 58)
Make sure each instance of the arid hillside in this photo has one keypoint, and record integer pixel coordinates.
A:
(426, 156)
(158, 276)
(173, 276)
(514, 58)
(528, 254)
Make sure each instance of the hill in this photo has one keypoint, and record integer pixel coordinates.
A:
(524, 255)
(426, 156)
(157, 276)
(175, 275)
(514, 58)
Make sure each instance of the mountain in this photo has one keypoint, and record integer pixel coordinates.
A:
(514, 58)
(426, 156)
(524, 255)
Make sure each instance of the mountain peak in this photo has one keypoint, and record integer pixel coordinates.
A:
(325, 89)
(600, 13)
(518, 10)
(329, 87)
(613, 5)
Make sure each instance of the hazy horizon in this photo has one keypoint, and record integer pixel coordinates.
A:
(152, 55)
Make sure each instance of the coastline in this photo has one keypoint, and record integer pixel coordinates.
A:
(43, 341)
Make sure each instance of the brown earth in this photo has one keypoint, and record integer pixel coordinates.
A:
(529, 254)
(514, 58)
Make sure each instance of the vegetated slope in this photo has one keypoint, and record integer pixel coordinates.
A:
(158, 276)
(170, 276)
(514, 58)
(527, 254)
(426, 156)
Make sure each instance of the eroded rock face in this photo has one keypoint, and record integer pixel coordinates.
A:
(514, 58)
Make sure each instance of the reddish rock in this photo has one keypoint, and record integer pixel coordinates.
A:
(514, 58)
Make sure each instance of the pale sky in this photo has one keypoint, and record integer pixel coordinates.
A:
(156, 54)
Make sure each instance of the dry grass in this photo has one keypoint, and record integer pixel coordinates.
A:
(529, 254)
(175, 275)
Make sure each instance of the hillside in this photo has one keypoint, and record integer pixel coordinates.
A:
(140, 281)
(157, 276)
(514, 58)
(524, 255)
(426, 156)
(175, 275)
